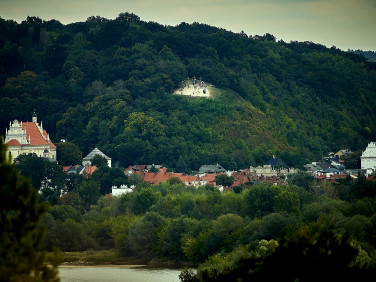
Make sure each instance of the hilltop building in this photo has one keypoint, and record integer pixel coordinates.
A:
(29, 138)
(87, 160)
(368, 158)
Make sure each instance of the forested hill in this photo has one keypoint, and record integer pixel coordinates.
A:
(109, 83)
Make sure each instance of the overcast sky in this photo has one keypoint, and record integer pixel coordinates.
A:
(346, 24)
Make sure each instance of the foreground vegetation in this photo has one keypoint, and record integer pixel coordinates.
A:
(22, 253)
(173, 223)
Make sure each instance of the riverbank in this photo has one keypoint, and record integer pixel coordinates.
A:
(111, 258)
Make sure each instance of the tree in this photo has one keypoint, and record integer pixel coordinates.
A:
(352, 160)
(46, 176)
(181, 165)
(144, 199)
(68, 154)
(143, 235)
(233, 166)
(88, 193)
(99, 161)
(224, 180)
(301, 256)
(22, 255)
(302, 179)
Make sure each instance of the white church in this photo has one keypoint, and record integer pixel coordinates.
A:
(29, 137)
(368, 158)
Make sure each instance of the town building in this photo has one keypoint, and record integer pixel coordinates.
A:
(29, 138)
(123, 189)
(87, 160)
(211, 169)
(368, 158)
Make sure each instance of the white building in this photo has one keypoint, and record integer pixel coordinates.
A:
(92, 154)
(368, 158)
(123, 189)
(29, 138)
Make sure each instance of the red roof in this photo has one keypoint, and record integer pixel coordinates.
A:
(13, 142)
(34, 135)
(66, 168)
(338, 176)
(90, 169)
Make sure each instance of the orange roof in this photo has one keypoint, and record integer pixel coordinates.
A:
(33, 133)
(66, 168)
(13, 142)
(210, 177)
(157, 177)
(338, 176)
(90, 169)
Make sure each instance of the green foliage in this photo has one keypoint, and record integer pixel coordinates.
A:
(99, 161)
(85, 79)
(223, 179)
(301, 256)
(22, 255)
(143, 235)
(68, 154)
(46, 176)
(301, 179)
(144, 199)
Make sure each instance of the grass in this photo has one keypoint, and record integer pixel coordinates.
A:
(102, 257)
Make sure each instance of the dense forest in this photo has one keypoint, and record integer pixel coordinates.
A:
(109, 83)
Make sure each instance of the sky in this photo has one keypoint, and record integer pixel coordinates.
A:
(346, 24)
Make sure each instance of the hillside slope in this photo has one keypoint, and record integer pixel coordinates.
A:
(109, 83)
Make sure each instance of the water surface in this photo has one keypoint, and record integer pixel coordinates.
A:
(117, 273)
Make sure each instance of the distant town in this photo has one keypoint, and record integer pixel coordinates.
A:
(31, 138)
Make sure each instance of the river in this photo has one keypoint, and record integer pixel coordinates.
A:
(117, 273)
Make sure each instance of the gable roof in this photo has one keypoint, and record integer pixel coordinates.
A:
(13, 142)
(95, 152)
(211, 169)
(35, 136)
(275, 161)
(90, 169)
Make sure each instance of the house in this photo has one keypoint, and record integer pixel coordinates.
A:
(211, 169)
(92, 154)
(368, 158)
(342, 153)
(29, 138)
(80, 169)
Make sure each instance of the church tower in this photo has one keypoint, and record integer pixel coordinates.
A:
(34, 117)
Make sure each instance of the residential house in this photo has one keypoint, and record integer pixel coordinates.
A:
(80, 169)
(211, 169)
(92, 154)
(342, 153)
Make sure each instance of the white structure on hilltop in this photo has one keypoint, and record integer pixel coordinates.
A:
(29, 138)
(368, 158)
(92, 154)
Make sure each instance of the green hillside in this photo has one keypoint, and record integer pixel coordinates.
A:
(109, 83)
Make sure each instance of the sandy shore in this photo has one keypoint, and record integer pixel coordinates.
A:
(102, 265)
